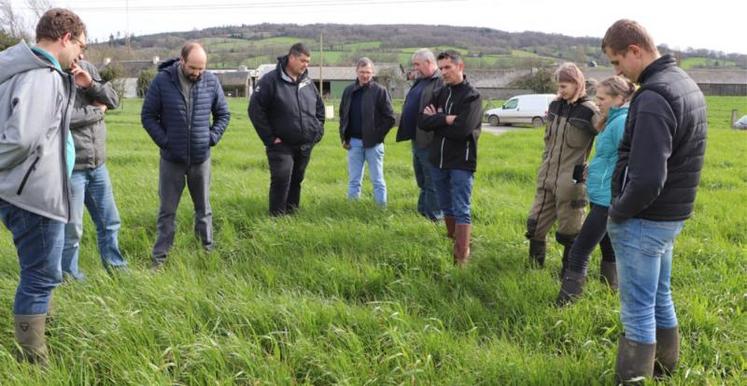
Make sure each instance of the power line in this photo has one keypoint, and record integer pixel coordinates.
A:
(239, 6)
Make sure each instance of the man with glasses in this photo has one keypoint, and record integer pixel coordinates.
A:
(36, 159)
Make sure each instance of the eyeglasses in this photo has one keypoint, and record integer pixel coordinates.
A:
(82, 45)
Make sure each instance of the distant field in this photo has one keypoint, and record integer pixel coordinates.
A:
(345, 293)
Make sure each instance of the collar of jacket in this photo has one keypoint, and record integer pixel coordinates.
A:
(358, 85)
(657, 65)
(435, 76)
(616, 112)
(464, 82)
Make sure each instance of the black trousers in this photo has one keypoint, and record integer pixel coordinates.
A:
(593, 232)
(287, 168)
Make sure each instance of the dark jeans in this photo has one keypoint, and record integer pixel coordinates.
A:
(593, 232)
(171, 180)
(38, 243)
(287, 168)
(428, 205)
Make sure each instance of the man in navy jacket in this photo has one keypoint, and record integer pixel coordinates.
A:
(177, 114)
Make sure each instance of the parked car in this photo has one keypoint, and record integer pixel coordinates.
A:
(530, 108)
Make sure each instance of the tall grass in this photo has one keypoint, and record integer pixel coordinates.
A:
(346, 293)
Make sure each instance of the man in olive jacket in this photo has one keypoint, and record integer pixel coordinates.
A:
(366, 116)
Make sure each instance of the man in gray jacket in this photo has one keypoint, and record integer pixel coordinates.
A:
(36, 156)
(90, 183)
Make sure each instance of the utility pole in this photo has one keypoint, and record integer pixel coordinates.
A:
(321, 62)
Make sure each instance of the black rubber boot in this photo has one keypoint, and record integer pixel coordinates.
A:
(571, 288)
(537, 252)
(635, 362)
(608, 274)
(667, 351)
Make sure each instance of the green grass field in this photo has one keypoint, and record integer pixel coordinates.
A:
(345, 293)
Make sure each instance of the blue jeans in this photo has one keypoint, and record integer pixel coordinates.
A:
(38, 243)
(428, 199)
(454, 187)
(644, 267)
(94, 188)
(374, 157)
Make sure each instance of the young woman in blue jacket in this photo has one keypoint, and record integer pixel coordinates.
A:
(612, 97)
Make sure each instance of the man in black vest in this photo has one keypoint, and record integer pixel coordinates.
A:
(653, 187)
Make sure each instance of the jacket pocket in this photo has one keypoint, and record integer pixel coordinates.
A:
(576, 138)
(26, 176)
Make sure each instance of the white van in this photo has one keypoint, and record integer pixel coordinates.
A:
(531, 108)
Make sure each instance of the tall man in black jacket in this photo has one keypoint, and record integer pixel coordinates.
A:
(366, 116)
(454, 115)
(654, 185)
(288, 114)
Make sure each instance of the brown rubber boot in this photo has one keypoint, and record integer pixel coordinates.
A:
(462, 235)
(450, 222)
(608, 274)
(667, 351)
(635, 362)
(30, 336)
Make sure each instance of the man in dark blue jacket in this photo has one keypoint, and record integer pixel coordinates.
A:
(177, 114)
(654, 185)
(288, 114)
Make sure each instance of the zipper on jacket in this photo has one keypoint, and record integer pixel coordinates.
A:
(466, 157)
(441, 164)
(26, 176)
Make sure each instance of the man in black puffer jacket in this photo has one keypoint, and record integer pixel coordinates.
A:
(455, 117)
(653, 187)
(288, 114)
(177, 113)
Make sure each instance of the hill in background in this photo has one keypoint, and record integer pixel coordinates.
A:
(485, 48)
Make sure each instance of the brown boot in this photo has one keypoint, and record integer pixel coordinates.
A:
(450, 226)
(635, 361)
(30, 336)
(667, 351)
(462, 235)
(608, 274)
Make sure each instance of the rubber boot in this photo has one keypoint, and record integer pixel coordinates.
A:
(450, 222)
(635, 361)
(537, 252)
(462, 234)
(608, 274)
(667, 351)
(564, 261)
(30, 336)
(571, 288)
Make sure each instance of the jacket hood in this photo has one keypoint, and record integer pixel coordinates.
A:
(18, 59)
(168, 63)
(282, 63)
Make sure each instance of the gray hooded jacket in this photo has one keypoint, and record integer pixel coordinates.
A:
(35, 104)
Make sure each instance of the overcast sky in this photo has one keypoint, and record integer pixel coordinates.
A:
(713, 24)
